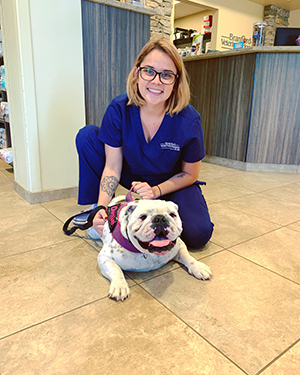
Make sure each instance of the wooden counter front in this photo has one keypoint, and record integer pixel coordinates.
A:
(249, 101)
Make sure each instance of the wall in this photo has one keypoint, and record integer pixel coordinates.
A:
(294, 20)
(42, 44)
(194, 21)
(235, 19)
(275, 17)
(161, 24)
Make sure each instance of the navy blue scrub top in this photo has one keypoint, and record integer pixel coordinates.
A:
(179, 138)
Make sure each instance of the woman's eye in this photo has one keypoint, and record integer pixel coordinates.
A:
(143, 217)
(150, 72)
(166, 75)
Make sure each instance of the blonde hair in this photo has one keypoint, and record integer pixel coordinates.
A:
(180, 96)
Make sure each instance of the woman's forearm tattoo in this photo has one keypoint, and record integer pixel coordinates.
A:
(181, 175)
(109, 185)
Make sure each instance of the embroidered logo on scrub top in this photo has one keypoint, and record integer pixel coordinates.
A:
(170, 146)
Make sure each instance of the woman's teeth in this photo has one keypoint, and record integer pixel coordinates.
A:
(155, 91)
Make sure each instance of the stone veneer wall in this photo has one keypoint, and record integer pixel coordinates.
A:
(275, 17)
(161, 24)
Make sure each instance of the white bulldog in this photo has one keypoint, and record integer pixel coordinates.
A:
(140, 236)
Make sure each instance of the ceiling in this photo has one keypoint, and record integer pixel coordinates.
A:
(186, 8)
(285, 4)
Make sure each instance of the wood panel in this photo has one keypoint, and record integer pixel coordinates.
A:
(274, 136)
(112, 38)
(221, 91)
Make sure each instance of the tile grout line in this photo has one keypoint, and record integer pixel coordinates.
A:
(278, 357)
(250, 239)
(264, 267)
(197, 333)
(36, 249)
(52, 318)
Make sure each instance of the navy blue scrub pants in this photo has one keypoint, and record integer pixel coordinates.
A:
(197, 226)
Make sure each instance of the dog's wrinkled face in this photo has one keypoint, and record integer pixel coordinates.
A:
(152, 226)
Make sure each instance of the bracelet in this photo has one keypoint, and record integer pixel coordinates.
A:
(101, 207)
(159, 190)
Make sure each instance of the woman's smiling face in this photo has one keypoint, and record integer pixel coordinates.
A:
(154, 92)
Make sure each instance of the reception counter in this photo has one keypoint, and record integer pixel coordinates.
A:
(249, 101)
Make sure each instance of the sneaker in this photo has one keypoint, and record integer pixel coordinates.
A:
(82, 219)
(93, 234)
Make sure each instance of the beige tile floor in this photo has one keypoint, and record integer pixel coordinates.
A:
(56, 318)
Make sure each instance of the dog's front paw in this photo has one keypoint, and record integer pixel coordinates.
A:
(119, 290)
(200, 270)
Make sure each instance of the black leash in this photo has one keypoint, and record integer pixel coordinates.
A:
(92, 213)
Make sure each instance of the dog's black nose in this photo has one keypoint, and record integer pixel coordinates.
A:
(160, 225)
(159, 219)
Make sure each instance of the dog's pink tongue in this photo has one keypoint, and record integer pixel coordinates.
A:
(160, 243)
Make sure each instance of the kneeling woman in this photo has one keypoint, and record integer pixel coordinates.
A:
(150, 138)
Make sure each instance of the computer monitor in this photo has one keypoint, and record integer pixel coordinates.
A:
(286, 36)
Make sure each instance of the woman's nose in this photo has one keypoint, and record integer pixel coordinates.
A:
(156, 80)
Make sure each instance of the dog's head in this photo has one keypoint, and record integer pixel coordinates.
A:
(152, 226)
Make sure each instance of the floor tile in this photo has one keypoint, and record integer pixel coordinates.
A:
(215, 191)
(64, 208)
(29, 230)
(7, 169)
(295, 226)
(278, 251)
(209, 172)
(288, 364)
(233, 227)
(250, 314)
(209, 249)
(6, 184)
(40, 284)
(12, 204)
(288, 192)
(264, 206)
(258, 181)
(58, 319)
(135, 337)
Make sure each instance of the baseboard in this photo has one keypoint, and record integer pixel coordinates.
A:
(252, 167)
(45, 195)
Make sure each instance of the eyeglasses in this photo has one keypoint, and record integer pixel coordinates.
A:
(149, 74)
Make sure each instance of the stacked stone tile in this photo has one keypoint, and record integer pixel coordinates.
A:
(160, 24)
(275, 17)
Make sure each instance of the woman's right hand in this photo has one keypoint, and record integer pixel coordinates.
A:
(99, 221)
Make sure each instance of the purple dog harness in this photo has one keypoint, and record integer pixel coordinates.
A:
(113, 213)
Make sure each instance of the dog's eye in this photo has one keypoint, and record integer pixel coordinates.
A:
(172, 214)
(143, 217)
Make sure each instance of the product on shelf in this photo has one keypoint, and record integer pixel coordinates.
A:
(197, 44)
(3, 141)
(2, 78)
(6, 154)
(4, 111)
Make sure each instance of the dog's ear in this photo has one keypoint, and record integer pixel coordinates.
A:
(125, 214)
(174, 205)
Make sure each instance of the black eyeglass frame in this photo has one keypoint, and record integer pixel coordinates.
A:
(159, 75)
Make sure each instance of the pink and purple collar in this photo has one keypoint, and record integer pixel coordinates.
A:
(113, 213)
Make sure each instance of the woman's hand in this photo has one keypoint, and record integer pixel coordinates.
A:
(144, 190)
(99, 221)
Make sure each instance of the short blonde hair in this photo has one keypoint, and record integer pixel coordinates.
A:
(180, 96)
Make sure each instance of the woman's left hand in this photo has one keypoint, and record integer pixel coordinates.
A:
(143, 189)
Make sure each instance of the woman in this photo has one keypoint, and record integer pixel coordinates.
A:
(151, 139)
